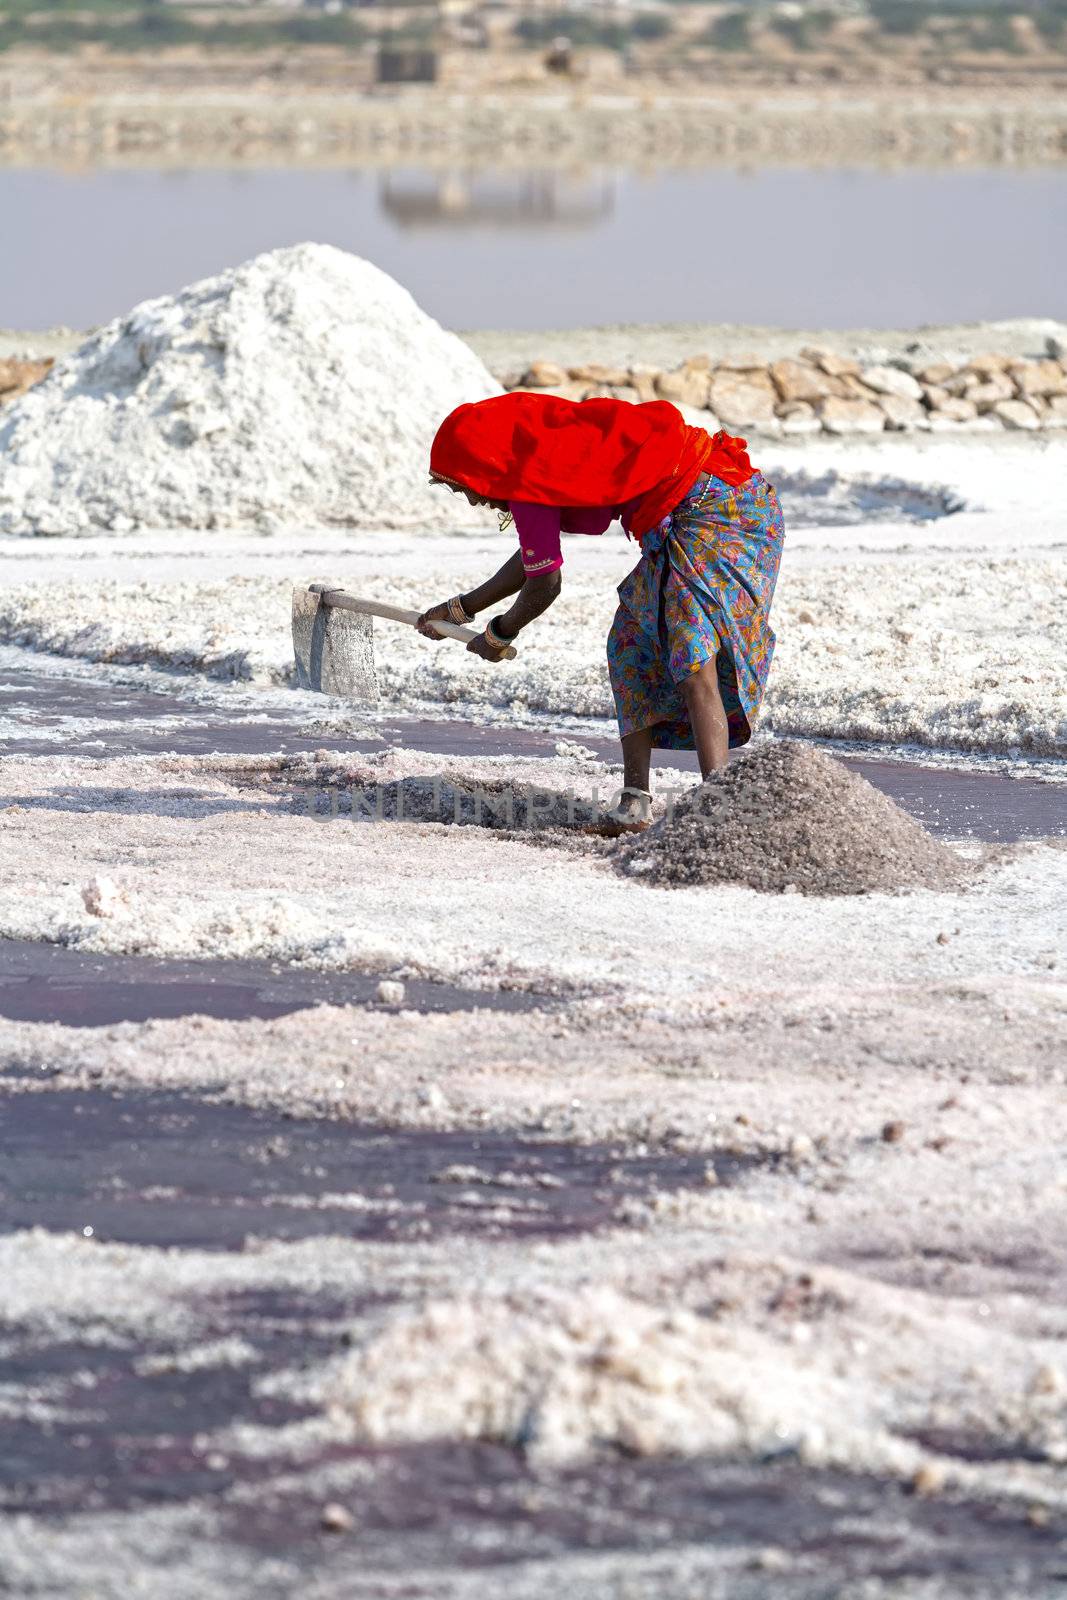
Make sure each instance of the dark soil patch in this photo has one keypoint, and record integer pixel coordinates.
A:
(166, 1169)
(50, 983)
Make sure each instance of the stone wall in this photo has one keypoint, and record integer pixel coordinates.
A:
(18, 376)
(821, 392)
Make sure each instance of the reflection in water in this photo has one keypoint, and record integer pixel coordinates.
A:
(419, 199)
(483, 249)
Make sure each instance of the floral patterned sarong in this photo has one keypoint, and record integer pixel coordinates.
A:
(701, 592)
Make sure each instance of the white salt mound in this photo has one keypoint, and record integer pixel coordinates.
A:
(304, 388)
(565, 1373)
(787, 816)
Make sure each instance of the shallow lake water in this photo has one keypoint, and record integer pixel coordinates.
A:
(831, 248)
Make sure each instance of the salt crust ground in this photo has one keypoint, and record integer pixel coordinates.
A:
(950, 635)
(885, 1286)
(921, 1285)
(851, 1294)
(922, 651)
(206, 863)
(854, 1293)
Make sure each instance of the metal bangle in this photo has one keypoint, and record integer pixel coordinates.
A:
(497, 640)
(457, 611)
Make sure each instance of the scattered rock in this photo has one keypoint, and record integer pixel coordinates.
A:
(796, 380)
(595, 372)
(543, 375)
(17, 377)
(902, 412)
(391, 992)
(961, 383)
(891, 380)
(851, 416)
(103, 897)
(838, 366)
(956, 409)
(986, 394)
(798, 417)
(937, 373)
(893, 1132)
(1038, 377)
(643, 380)
(742, 399)
(929, 1479)
(987, 366)
(684, 388)
(333, 1518)
(1017, 414)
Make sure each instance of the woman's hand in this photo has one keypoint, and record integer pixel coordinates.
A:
(481, 646)
(435, 614)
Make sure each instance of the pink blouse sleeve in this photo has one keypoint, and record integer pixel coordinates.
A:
(538, 528)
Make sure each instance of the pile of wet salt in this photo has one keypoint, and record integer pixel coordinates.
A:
(789, 817)
(302, 388)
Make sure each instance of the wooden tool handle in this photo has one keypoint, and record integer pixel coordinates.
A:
(378, 608)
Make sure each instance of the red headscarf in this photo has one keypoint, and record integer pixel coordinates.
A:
(554, 452)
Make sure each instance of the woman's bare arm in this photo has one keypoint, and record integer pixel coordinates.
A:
(535, 596)
(509, 580)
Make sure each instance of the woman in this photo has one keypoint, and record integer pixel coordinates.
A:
(691, 644)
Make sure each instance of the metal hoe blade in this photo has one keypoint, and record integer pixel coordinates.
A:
(334, 649)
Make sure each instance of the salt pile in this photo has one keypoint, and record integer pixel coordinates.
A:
(566, 1373)
(302, 388)
(787, 816)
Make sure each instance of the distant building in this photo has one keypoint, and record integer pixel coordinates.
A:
(407, 64)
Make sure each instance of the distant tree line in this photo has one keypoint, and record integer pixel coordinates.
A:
(66, 24)
(51, 26)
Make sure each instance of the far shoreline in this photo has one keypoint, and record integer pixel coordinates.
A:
(669, 343)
